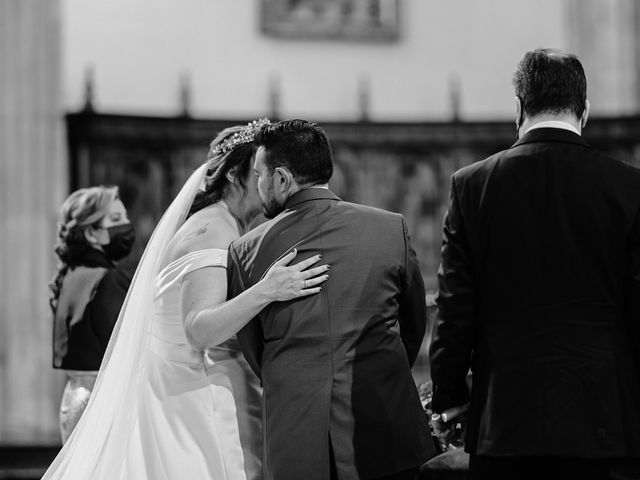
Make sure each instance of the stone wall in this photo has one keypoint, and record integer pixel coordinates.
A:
(33, 183)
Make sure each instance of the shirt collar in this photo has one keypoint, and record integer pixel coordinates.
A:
(554, 124)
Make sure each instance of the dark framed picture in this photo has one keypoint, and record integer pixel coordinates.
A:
(363, 20)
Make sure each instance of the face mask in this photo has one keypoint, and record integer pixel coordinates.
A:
(121, 243)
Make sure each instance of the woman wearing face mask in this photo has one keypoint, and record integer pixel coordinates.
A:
(94, 232)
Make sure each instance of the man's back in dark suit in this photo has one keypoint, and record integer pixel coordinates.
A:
(543, 235)
(539, 291)
(335, 366)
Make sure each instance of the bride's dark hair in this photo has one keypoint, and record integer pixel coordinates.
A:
(219, 164)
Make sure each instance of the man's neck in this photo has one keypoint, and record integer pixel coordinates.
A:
(569, 119)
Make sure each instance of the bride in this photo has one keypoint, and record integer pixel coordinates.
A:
(174, 398)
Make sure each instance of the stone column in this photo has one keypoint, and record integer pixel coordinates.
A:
(604, 34)
(33, 183)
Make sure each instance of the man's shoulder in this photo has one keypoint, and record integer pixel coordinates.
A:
(254, 238)
(361, 215)
(480, 168)
(599, 163)
(367, 210)
(255, 235)
(626, 169)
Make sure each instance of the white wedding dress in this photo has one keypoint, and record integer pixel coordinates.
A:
(200, 415)
(162, 410)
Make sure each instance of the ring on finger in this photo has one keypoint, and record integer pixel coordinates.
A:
(305, 284)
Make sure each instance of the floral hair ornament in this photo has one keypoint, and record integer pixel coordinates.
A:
(246, 135)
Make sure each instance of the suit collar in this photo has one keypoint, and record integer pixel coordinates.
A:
(312, 193)
(550, 135)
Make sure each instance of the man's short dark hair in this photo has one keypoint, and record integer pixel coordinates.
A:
(551, 81)
(301, 146)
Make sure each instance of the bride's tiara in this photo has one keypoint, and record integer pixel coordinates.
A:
(246, 135)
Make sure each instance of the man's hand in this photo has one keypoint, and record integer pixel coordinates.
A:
(449, 427)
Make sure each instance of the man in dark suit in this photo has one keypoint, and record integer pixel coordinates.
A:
(339, 398)
(539, 292)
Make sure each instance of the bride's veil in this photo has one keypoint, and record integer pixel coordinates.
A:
(97, 446)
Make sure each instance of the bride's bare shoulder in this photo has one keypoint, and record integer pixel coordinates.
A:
(211, 227)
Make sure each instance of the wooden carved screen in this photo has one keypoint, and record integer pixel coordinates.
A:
(404, 168)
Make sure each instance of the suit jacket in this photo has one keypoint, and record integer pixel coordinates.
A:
(335, 367)
(538, 292)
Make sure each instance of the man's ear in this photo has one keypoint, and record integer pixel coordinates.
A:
(519, 112)
(585, 115)
(231, 175)
(284, 178)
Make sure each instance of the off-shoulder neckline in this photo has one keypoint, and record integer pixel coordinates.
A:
(189, 255)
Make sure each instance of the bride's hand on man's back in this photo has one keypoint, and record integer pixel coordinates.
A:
(283, 282)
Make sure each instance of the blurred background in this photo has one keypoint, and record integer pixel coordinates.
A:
(130, 92)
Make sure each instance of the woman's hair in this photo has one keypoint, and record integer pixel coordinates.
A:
(219, 162)
(84, 208)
